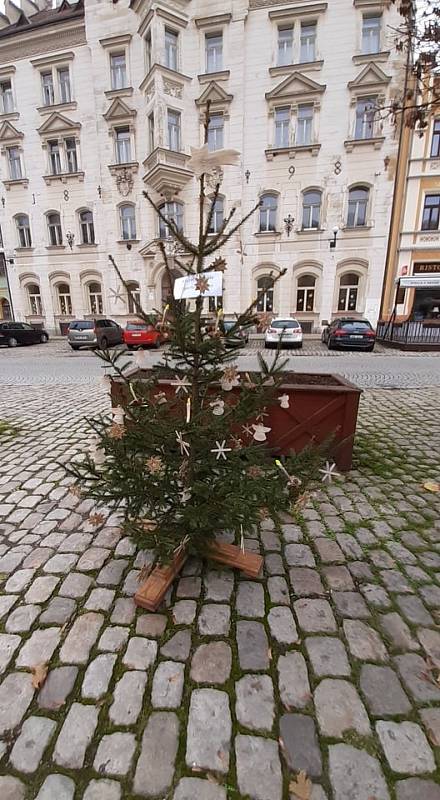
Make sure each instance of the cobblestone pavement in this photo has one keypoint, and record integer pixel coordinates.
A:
(328, 664)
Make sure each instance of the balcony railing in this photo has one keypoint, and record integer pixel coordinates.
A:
(410, 334)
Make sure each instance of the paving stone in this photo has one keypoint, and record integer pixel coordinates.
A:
(395, 581)
(189, 587)
(151, 625)
(339, 709)
(355, 775)
(253, 647)
(177, 648)
(350, 604)
(22, 618)
(282, 625)
(113, 638)
(375, 595)
(363, 642)
(306, 582)
(198, 789)
(114, 754)
(430, 641)
(214, 620)
(383, 692)
(431, 595)
(168, 685)
(60, 564)
(255, 702)
(300, 744)
(19, 580)
(209, 730)
(398, 632)
(11, 788)
(112, 573)
(8, 646)
(184, 612)
(92, 559)
(278, 591)
(124, 611)
(349, 545)
(329, 551)
(100, 600)
(315, 616)
(273, 564)
(413, 669)
(211, 663)
(81, 638)
(270, 540)
(128, 694)
(41, 589)
(250, 599)
(57, 687)
(258, 767)
(155, 766)
(102, 790)
(29, 747)
(6, 603)
(56, 787)
(59, 610)
(291, 533)
(338, 578)
(97, 676)
(406, 747)
(75, 543)
(140, 654)
(293, 681)
(75, 736)
(417, 788)
(431, 720)
(125, 547)
(299, 555)
(413, 609)
(37, 557)
(75, 585)
(39, 648)
(328, 656)
(361, 571)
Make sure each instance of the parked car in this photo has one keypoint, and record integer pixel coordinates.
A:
(284, 329)
(239, 338)
(14, 333)
(356, 334)
(100, 333)
(141, 334)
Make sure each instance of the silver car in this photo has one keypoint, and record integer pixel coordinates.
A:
(100, 333)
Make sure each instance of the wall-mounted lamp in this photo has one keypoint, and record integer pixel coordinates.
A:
(70, 238)
(333, 241)
(129, 246)
(247, 175)
(99, 190)
(3, 202)
(288, 223)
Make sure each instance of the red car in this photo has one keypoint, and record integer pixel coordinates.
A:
(140, 334)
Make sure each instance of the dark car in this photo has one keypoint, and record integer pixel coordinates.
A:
(239, 338)
(14, 333)
(355, 334)
(100, 333)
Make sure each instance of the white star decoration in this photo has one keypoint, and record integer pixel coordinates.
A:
(184, 446)
(181, 384)
(221, 449)
(202, 162)
(329, 472)
(119, 294)
(247, 429)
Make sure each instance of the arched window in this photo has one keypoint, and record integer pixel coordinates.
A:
(311, 209)
(87, 227)
(133, 294)
(5, 309)
(94, 290)
(23, 230)
(54, 229)
(305, 293)
(34, 297)
(217, 216)
(348, 291)
(172, 211)
(357, 206)
(167, 285)
(64, 298)
(128, 221)
(268, 212)
(265, 293)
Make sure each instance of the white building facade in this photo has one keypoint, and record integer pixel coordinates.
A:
(104, 100)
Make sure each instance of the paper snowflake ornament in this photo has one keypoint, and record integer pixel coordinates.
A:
(218, 407)
(181, 384)
(202, 284)
(116, 431)
(204, 162)
(218, 265)
(155, 466)
(260, 431)
(329, 472)
(247, 430)
(141, 359)
(220, 450)
(184, 446)
(230, 378)
(284, 400)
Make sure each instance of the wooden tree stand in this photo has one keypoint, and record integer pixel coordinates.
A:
(152, 592)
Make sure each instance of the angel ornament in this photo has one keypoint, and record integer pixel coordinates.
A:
(260, 431)
(118, 415)
(230, 379)
(284, 400)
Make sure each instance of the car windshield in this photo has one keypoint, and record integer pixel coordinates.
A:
(229, 325)
(139, 326)
(284, 323)
(81, 325)
(356, 325)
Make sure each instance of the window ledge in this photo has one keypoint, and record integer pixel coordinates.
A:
(313, 149)
(221, 75)
(267, 234)
(128, 241)
(115, 168)
(18, 182)
(23, 249)
(9, 115)
(126, 91)
(308, 231)
(355, 228)
(55, 247)
(302, 66)
(87, 245)
(71, 106)
(365, 58)
(375, 141)
(63, 177)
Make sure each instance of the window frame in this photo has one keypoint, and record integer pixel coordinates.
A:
(123, 129)
(358, 203)
(432, 212)
(136, 292)
(34, 297)
(53, 71)
(285, 53)
(94, 296)
(163, 228)
(131, 227)
(308, 42)
(304, 293)
(17, 160)
(170, 49)
(365, 50)
(24, 233)
(218, 215)
(64, 298)
(312, 206)
(217, 53)
(54, 228)
(117, 70)
(151, 131)
(265, 303)
(300, 138)
(268, 214)
(60, 84)
(174, 130)
(346, 291)
(361, 120)
(282, 127)
(214, 129)
(86, 227)
(435, 139)
(9, 94)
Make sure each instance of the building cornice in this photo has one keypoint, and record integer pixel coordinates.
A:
(215, 19)
(47, 61)
(116, 41)
(298, 10)
(31, 43)
(182, 22)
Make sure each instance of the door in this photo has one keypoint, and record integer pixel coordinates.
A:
(31, 336)
(115, 333)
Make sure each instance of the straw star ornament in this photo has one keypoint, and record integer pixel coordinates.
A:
(202, 162)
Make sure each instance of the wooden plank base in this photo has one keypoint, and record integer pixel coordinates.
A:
(232, 556)
(151, 593)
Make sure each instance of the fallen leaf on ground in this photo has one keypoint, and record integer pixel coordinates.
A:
(301, 786)
(39, 675)
(432, 486)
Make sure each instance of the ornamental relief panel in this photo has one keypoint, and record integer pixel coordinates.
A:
(42, 45)
(172, 89)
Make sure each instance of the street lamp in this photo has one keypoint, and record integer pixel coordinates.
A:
(70, 238)
(333, 241)
(288, 223)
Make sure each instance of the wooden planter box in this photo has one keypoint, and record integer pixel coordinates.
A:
(321, 407)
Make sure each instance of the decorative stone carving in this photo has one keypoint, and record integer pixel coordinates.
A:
(124, 182)
(213, 178)
(171, 88)
(149, 92)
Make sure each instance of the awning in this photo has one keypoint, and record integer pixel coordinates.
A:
(425, 281)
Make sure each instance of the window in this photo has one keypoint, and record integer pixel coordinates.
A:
(64, 85)
(54, 229)
(23, 231)
(348, 292)
(431, 212)
(365, 110)
(308, 42)
(282, 127)
(6, 97)
(171, 45)
(48, 90)
(14, 161)
(214, 52)
(265, 294)
(268, 212)
(304, 126)
(305, 294)
(64, 299)
(71, 156)
(118, 70)
(357, 207)
(215, 132)
(435, 144)
(95, 298)
(371, 26)
(128, 222)
(54, 157)
(133, 294)
(173, 118)
(5, 309)
(34, 297)
(172, 211)
(215, 304)
(148, 52)
(87, 227)
(151, 131)
(285, 46)
(217, 216)
(123, 145)
(311, 209)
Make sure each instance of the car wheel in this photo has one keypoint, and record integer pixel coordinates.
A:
(370, 349)
(12, 342)
(330, 345)
(43, 338)
(157, 344)
(104, 343)
(299, 346)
